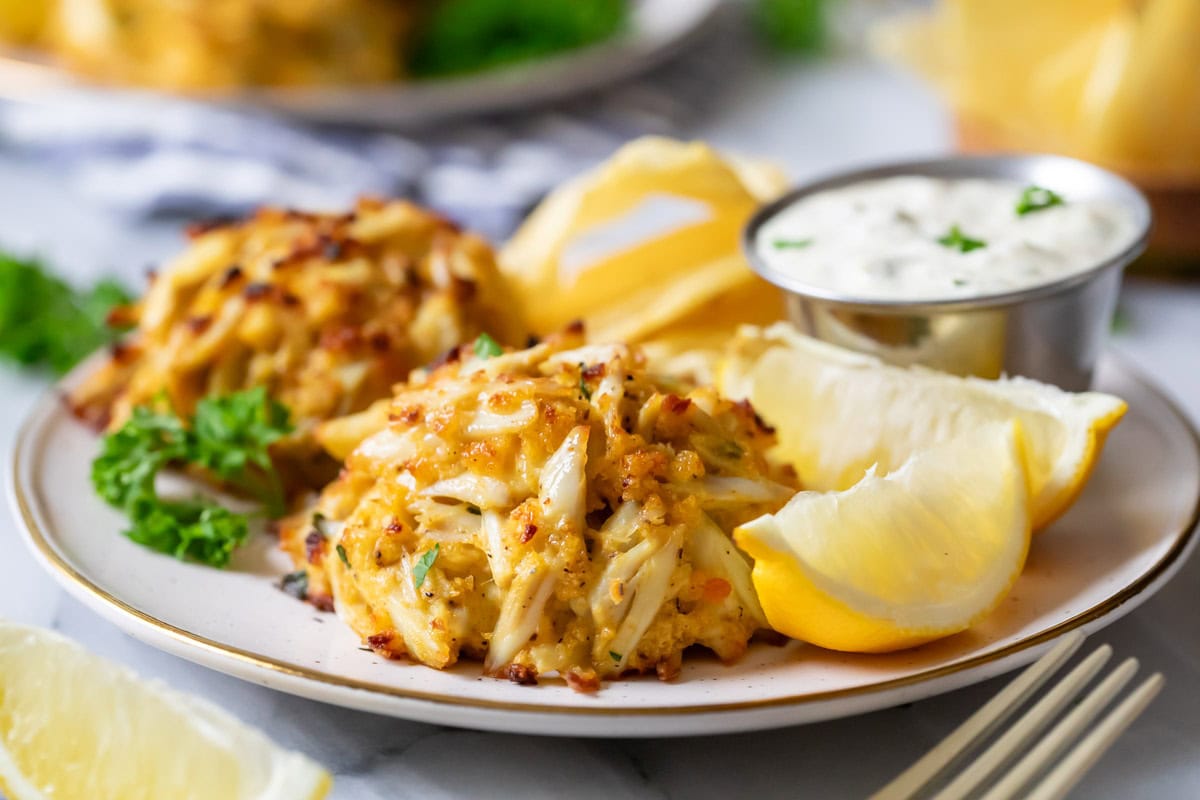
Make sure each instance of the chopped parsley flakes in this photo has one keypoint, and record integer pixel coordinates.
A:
(423, 565)
(791, 244)
(295, 584)
(487, 347)
(1035, 198)
(957, 240)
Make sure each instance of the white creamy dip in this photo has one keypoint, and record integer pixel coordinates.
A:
(879, 239)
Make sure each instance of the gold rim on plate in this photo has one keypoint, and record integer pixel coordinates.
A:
(70, 578)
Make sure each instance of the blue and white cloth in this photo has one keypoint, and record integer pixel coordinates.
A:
(147, 155)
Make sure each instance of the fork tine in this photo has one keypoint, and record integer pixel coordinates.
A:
(1063, 733)
(1033, 722)
(1068, 772)
(981, 723)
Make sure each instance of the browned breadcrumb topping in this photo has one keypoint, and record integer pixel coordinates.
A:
(494, 511)
(327, 311)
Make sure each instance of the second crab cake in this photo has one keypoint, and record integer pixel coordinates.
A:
(552, 510)
(327, 311)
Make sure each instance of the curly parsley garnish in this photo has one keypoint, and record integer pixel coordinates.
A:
(229, 437)
(487, 347)
(957, 240)
(423, 565)
(45, 322)
(1035, 198)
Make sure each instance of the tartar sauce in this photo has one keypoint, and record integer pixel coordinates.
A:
(921, 238)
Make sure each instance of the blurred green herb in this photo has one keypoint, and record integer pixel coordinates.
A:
(1035, 198)
(957, 240)
(45, 322)
(460, 36)
(295, 584)
(487, 347)
(584, 389)
(1120, 320)
(790, 244)
(229, 436)
(793, 26)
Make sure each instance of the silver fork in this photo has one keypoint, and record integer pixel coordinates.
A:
(1035, 758)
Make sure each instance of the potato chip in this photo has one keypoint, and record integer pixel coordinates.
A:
(661, 283)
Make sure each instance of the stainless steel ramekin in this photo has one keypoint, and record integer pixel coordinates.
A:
(1053, 332)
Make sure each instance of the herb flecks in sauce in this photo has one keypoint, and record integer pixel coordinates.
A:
(791, 244)
(879, 239)
(1037, 198)
(955, 239)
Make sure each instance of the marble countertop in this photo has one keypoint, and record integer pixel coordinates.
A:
(813, 118)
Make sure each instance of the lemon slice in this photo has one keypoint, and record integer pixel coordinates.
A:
(74, 726)
(899, 560)
(838, 413)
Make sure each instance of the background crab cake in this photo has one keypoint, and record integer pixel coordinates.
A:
(325, 311)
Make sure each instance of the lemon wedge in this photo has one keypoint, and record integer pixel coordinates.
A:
(898, 560)
(838, 413)
(75, 726)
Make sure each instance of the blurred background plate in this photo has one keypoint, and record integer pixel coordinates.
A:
(657, 29)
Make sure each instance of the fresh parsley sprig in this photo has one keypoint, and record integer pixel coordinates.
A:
(46, 322)
(231, 438)
(199, 530)
(228, 436)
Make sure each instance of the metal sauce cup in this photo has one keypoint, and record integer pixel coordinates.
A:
(1053, 332)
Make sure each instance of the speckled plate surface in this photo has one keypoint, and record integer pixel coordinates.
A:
(1131, 529)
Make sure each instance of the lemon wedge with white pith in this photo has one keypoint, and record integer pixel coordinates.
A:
(902, 559)
(75, 726)
(838, 413)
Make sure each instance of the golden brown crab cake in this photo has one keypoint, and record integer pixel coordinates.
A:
(327, 311)
(556, 510)
(202, 44)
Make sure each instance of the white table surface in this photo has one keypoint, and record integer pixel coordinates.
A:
(813, 118)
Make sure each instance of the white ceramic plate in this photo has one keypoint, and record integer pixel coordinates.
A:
(657, 30)
(1132, 527)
